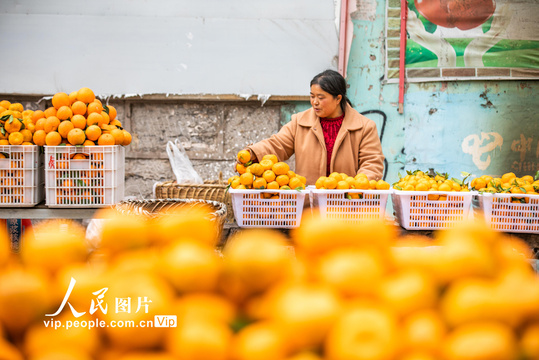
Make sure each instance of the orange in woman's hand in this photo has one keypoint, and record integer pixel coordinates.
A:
(244, 156)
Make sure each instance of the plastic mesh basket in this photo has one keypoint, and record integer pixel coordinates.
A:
(96, 181)
(350, 205)
(268, 208)
(431, 210)
(509, 212)
(21, 175)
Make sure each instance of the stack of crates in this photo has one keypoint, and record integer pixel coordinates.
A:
(84, 176)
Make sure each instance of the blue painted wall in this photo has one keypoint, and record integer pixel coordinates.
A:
(481, 127)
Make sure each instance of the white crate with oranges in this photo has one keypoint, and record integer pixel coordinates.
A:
(85, 176)
(266, 193)
(349, 198)
(431, 202)
(21, 175)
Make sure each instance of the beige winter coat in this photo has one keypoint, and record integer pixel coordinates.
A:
(357, 147)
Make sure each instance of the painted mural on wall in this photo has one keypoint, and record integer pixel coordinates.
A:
(472, 39)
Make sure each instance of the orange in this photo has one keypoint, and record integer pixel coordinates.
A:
(64, 128)
(309, 309)
(273, 185)
(529, 341)
(64, 113)
(271, 157)
(320, 182)
(480, 341)
(88, 143)
(127, 138)
(51, 124)
(261, 341)
(246, 178)
(259, 183)
(268, 175)
(116, 123)
(240, 168)
(118, 136)
(13, 125)
(190, 266)
(111, 112)
(199, 339)
(93, 132)
(40, 124)
(5, 104)
(352, 271)
(244, 156)
(342, 185)
(382, 185)
(79, 121)
(4, 142)
(363, 332)
(16, 138)
(38, 114)
(257, 259)
(282, 180)
(76, 136)
(24, 297)
(206, 305)
(78, 108)
(60, 99)
(51, 111)
(16, 107)
(407, 291)
(280, 168)
(26, 135)
(79, 157)
(53, 138)
(267, 164)
(73, 96)
(508, 177)
(106, 139)
(372, 184)
(423, 330)
(85, 95)
(330, 182)
(94, 107)
(295, 183)
(94, 118)
(255, 169)
(105, 120)
(39, 137)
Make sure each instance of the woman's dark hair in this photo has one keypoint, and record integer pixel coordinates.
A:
(333, 83)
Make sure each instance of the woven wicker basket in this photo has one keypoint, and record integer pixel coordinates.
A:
(210, 190)
(155, 207)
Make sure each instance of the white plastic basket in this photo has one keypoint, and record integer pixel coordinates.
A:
(509, 212)
(21, 176)
(420, 210)
(252, 209)
(349, 205)
(93, 182)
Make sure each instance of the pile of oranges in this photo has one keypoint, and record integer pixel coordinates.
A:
(420, 181)
(342, 181)
(16, 124)
(507, 183)
(333, 290)
(75, 119)
(269, 173)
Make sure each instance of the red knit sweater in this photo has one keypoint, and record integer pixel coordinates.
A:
(330, 128)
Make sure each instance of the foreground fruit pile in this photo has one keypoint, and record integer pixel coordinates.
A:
(269, 173)
(346, 292)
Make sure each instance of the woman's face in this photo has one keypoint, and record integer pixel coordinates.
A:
(324, 104)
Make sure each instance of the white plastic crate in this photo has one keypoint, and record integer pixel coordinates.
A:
(253, 208)
(21, 175)
(421, 210)
(350, 205)
(93, 182)
(509, 212)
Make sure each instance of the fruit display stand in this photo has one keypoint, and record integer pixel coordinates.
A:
(96, 180)
(351, 205)
(431, 210)
(518, 213)
(268, 208)
(21, 175)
